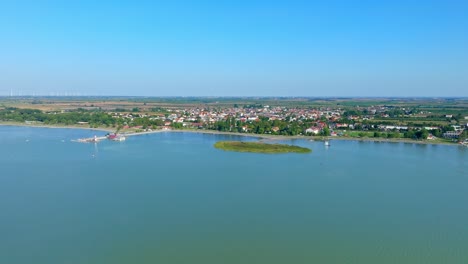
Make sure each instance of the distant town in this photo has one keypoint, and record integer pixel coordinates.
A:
(443, 120)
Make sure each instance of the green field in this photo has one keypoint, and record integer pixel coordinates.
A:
(259, 147)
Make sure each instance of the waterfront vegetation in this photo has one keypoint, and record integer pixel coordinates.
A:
(413, 119)
(259, 147)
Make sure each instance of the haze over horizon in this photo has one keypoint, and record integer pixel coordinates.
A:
(241, 48)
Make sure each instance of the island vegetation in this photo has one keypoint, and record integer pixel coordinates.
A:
(259, 147)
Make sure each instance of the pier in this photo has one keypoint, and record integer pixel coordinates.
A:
(116, 137)
(94, 139)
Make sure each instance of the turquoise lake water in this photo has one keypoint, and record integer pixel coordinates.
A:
(174, 198)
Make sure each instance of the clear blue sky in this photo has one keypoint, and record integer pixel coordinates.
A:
(235, 48)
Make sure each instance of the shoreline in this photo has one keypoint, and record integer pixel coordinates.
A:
(279, 137)
(56, 126)
(214, 132)
(329, 138)
(402, 140)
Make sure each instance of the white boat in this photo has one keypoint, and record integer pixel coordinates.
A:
(327, 143)
(120, 138)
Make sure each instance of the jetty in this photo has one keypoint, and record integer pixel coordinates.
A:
(94, 139)
(112, 137)
(116, 136)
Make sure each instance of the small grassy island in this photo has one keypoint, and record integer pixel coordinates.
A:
(259, 147)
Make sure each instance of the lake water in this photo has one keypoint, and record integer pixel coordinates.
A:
(174, 198)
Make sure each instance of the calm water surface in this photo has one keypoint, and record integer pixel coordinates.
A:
(173, 198)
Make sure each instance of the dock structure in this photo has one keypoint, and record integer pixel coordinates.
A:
(94, 139)
(114, 136)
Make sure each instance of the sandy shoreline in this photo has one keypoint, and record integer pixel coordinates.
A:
(403, 140)
(279, 137)
(319, 138)
(214, 132)
(57, 126)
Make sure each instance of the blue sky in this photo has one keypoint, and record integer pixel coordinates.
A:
(234, 48)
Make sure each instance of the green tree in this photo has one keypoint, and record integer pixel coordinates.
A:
(177, 125)
(325, 131)
(421, 134)
(463, 135)
(410, 134)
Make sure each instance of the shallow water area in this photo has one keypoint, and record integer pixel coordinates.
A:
(174, 198)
